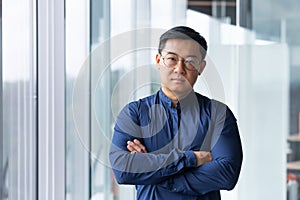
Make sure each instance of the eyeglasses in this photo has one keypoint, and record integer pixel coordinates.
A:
(190, 63)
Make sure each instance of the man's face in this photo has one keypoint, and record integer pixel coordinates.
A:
(178, 79)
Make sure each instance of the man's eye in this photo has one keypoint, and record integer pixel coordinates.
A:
(171, 58)
(191, 62)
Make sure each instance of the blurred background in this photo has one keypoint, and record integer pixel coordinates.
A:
(68, 67)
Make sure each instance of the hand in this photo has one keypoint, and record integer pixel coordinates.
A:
(202, 157)
(136, 146)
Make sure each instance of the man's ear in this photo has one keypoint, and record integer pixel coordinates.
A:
(202, 66)
(157, 60)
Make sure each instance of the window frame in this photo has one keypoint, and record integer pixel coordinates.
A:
(51, 99)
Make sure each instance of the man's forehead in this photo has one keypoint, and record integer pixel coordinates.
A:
(183, 48)
(167, 52)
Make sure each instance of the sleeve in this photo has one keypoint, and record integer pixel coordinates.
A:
(142, 168)
(222, 172)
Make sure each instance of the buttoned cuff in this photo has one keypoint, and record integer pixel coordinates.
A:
(191, 160)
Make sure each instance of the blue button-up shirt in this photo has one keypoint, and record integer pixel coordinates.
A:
(171, 134)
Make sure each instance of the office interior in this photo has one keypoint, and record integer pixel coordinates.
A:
(68, 67)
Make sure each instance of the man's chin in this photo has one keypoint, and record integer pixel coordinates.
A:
(181, 92)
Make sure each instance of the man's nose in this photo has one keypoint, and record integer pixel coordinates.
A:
(180, 67)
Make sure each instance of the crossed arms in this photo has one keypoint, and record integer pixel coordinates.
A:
(188, 172)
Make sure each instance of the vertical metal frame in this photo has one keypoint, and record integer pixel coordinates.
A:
(1, 110)
(51, 100)
(238, 14)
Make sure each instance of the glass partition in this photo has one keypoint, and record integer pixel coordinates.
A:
(109, 63)
(77, 17)
(255, 80)
(110, 47)
(19, 95)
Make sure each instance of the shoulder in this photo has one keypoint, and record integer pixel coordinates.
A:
(141, 106)
(216, 108)
(142, 102)
(137, 111)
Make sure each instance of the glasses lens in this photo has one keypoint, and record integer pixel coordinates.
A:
(170, 60)
(192, 63)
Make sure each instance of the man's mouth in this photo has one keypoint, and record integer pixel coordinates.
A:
(178, 80)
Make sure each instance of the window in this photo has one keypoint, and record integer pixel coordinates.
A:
(19, 109)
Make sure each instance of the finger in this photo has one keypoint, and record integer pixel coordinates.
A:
(140, 145)
(131, 146)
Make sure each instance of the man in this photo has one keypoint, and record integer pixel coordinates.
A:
(177, 144)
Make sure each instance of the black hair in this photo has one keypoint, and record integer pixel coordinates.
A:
(186, 33)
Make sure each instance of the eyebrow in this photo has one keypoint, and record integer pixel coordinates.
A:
(170, 52)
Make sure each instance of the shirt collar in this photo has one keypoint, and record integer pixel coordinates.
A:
(188, 100)
(166, 100)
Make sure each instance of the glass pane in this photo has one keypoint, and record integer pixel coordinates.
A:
(100, 77)
(77, 100)
(255, 80)
(99, 84)
(19, 100)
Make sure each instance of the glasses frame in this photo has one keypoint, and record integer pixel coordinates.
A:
(184, 62)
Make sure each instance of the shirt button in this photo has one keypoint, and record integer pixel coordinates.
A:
(174, 189)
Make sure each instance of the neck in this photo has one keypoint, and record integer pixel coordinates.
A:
(175, 97)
